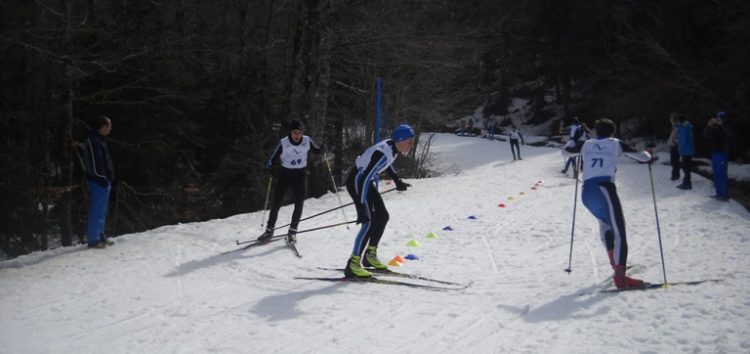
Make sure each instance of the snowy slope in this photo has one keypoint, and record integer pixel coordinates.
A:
(170, 290)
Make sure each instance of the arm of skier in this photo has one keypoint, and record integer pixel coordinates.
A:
(274, 154)
(315, 148)
(630, 152)
(572, 148)
(377, 161)
(400, 185)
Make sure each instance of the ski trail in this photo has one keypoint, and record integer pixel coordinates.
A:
(489, 253)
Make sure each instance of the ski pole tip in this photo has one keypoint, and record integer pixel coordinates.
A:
(568, 270)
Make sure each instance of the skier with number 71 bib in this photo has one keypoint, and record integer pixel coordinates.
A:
(599, 193)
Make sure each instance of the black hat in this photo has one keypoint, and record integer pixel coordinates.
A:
(296, 125)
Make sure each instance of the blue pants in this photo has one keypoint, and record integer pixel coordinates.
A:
(97, 212)
(719, 165)
(600, 198)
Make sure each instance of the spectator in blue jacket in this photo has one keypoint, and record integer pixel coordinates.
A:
(100, 173)
(686, 148)
(720, 139)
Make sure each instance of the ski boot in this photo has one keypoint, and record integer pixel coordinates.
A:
(291, 237)
(623, 282)
(354, 268)
(266, 236)
(371, 259)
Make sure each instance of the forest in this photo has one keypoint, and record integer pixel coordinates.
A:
(199, 92)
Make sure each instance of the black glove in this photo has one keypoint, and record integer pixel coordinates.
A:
(401, 186)
(269, 169)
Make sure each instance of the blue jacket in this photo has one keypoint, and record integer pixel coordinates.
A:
(685, 139)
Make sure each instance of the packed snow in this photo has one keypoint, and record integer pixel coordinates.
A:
(173, 290)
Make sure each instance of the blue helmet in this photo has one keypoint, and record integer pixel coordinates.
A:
(402, 132)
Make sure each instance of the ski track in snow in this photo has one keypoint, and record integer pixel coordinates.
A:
(171, 290)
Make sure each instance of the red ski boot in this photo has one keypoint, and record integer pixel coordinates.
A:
(623, 282)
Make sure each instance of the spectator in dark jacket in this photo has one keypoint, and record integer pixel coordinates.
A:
(719, 138)
(674, 152)
(99, 175)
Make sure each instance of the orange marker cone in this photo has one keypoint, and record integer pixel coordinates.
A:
(397, 261)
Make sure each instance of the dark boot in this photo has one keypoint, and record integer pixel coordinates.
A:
(266, 235)
(291, 237)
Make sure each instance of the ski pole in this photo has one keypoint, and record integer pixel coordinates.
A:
(325, 227)
(335, 188)
(265, 206)
(312, 216)
(573, 227)
(658, 229)
(278, 237)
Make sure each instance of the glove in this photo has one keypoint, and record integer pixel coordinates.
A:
(362, 217)
(401, 186)
(269, 169)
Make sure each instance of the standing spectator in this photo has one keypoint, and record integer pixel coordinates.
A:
(292, 153)
(599, 193)
(513, 136)
(719, 138)
(674, 153)
(461, 127)
(492, 124)
(100, 173)
(686, 149)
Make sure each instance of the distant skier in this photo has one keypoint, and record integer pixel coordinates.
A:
(292, 152)
(513, 136)
(371, 211)
(599, 193)
(577, 132)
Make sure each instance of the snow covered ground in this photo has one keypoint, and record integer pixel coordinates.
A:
(171, 290)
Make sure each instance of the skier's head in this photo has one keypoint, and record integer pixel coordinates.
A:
(721, 115)
(295, 124)
(296, 130)
(403, 136)
(402, 132)
(605, 128)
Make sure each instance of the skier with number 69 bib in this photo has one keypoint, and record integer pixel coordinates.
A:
(292, 152)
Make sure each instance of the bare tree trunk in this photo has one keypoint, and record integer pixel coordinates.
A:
(66, 216)
(311, 74)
